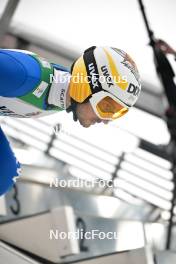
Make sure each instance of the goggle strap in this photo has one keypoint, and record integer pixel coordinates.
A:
(92, 70)
(72, 108)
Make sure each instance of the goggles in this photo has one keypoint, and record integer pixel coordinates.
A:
(107, 107)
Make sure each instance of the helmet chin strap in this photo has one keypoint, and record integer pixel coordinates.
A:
(72, 108)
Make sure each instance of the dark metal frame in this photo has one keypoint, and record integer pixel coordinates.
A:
(7, 17)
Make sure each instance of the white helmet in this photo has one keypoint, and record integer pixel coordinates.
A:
(108, 78)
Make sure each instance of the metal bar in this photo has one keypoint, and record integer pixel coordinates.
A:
(7, 16)
(171, 221)
(154, 149)
(50, 144)
(28, 34)
(116, 169)
(149, 31)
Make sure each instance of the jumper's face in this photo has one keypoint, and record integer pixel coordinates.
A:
(87, 116)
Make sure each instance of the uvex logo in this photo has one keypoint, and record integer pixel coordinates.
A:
(133, 89)
(93, 77)
(107, 75)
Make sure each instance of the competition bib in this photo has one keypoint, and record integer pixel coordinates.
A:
(15, 107)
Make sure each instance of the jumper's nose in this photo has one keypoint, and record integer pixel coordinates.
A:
(105, 121)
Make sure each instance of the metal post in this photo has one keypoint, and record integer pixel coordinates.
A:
(171, 222)
(7, 16)
(116, 169)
